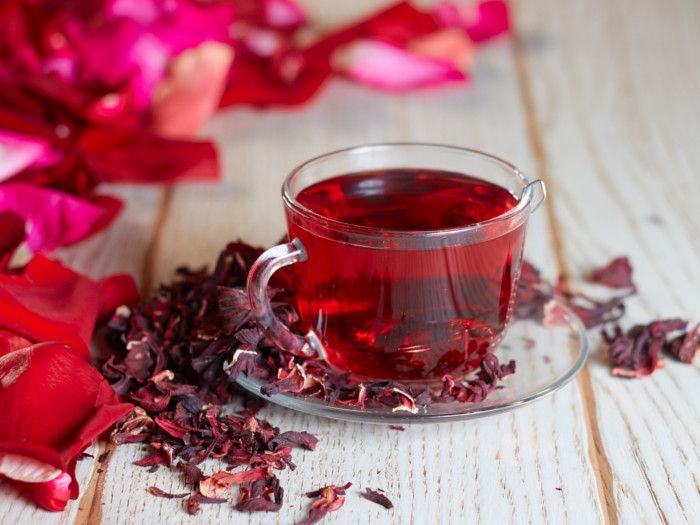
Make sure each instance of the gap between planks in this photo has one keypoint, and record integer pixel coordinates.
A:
(90, 504)
(596, 452)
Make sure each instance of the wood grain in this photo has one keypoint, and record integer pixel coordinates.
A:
(620, 139)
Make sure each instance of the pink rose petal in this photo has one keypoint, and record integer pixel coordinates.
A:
(390, 67)
(450, 44)
(190, 93)
(25, 468)
(53, 495)
(482, 20)
(53, 218)
(283, 13)
(124, 51)
(18, 152)
(142, 11)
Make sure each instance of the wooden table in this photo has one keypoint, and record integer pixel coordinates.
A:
(600, 99)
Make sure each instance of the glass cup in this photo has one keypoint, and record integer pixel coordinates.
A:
(398, 304)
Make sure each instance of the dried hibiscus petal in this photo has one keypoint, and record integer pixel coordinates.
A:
(293, 439)
(163, 494)
(264, 495)
(193, 503)
(327, 499)
(685, 346)
(616, 274)
(376, 496)
(635, 353)
(220, 483)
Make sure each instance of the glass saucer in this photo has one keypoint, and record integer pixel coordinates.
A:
(547, 358)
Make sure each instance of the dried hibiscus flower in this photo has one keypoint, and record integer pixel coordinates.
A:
(377, 496)
(54, 405)
(263, 495)
(326, 499)
(163, 494)
(220, 483)
(616, 274)
(636, 353)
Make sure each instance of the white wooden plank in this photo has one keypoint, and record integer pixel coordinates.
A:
(612, 84)
(506, 468)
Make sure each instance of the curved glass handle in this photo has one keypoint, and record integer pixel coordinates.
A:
(537, 192)
(260, 273)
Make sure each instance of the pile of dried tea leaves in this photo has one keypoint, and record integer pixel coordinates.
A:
(177, 355)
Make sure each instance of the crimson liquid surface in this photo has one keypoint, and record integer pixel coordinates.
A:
(406, 314)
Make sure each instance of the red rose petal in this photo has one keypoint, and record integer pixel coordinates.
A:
(482, 21)
(54, 405)
(117, 290)
(48, 302)
(11, 236)
(128, 156)
(284, 14)
(263, 81)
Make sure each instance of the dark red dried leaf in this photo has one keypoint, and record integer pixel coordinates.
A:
(376, 496)
(162, 494)
(264, 495)
(220, 483)
(476, 390)
(616, 274)
(191, 474)
(327, 499)
(293, 439)
(193, 503)
(685, 346)
(635, 353)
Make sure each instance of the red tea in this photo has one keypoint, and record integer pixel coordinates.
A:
(409, 314)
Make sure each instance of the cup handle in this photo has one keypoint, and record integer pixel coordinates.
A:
(538, 192)
(260, 273)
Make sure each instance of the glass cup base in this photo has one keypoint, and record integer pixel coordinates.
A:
(547, 358)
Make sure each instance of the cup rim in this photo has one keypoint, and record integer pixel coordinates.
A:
(524, 199)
